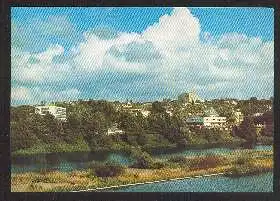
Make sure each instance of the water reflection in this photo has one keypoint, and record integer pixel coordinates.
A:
(82, 160)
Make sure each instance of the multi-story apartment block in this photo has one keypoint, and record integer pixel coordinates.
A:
(57, 112)
(210, 120)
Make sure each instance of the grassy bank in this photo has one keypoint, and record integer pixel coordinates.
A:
(82, 146)
(178, 167)
(52, 148)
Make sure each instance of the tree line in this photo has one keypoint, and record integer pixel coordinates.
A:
(88, 122)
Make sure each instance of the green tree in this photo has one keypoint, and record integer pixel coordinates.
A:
(247, 130)
(157, 107)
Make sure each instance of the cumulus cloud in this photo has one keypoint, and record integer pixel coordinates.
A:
(37, 67)
(20, 94)
(178, 29)
(167, 58)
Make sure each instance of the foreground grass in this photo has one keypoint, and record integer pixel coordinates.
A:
(248, 161)
(79, 180)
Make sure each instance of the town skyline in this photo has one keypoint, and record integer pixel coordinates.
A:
(119, 53)
(129, 100)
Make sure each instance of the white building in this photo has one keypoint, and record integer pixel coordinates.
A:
(145, 113)
(214, 121)
(257, 114)
(57, 112)
(169, 112)
(190, 97)
(211, 119)
(210, 122)
(127, 105)
(114, 130)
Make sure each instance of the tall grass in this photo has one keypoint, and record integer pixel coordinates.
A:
(101, 175)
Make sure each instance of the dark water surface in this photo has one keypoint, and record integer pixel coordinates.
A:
(81, 160)
(255, 183)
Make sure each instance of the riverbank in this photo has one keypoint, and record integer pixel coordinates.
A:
(83, 147)
(148, 182)
(190, 167)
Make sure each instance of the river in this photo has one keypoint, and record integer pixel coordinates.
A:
(81, 160)
(255, 183)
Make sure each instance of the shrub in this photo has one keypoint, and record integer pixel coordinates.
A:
(108, 169)
(158, 165)
(208, 161)
(245, 169)
(33, 187)
(242, 160)
(144, 161)
(178, 159)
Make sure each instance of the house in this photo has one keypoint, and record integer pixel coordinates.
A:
(265, 122)
(114, 130)
(169, 112)
(58, 112)
(145, 113)
(257, 114)
(127, 105)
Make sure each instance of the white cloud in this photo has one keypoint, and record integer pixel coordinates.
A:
(47, 56)
(172, 31)
(20, 93)
(90, 53)
(38, 67)
(180, 60)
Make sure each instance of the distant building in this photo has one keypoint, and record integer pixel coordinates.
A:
(195, 121)
(145, 113)
(265, 122)
(114, 130)
(238, 116)
(233, 102)
(257, 114)
(210, 120)
(211, 112)
(57, 112)
(191, 97)
(127, 105)
(147, 106)
(169, 112)
(214, 121)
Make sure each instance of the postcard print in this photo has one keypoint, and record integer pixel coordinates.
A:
(142, 99)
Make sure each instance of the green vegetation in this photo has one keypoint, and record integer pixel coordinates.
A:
(88, 123)
(103, 175)
(108, 169)
(246, 166)
(247, 130)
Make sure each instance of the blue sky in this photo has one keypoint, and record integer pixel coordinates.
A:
(140, 53)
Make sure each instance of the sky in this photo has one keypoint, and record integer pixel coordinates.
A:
(143, 54)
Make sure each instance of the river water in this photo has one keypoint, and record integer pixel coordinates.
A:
(255, 183)
(81, 160)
